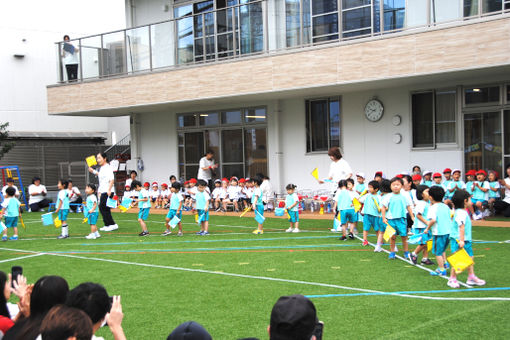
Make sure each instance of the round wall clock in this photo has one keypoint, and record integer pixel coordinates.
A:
(374, 110)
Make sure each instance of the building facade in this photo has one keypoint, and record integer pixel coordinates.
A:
(270, 85)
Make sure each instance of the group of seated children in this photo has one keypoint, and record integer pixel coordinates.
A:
(485, 188)
(235, 192)
(429, 211)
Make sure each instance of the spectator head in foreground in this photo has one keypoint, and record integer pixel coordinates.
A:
(293, 318)
(189, 330)
(91, 298)
(66, 323)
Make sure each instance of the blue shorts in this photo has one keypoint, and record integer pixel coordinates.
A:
(476, 200)
(454, 246)
(400, 225)
(348, 215)
(440, 243)
(143, 213)
(172, 213)
(62, 214)
(294, 216)
(92, 218)
(11, 222)
(371, 221)
(204, 215)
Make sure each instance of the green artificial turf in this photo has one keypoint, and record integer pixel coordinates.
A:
(188, 278)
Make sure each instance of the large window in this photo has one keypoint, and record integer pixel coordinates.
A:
(237, 137)
(434, 118)
(481, 95)
(205, 35)
(322, 124)
(393, 18)
(356, 17)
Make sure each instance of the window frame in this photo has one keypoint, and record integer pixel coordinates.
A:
(487, 104)
(308, 123)
(435, 145)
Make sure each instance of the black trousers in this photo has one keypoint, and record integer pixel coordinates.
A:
(72, 72)
(502, 207)
(40, 205)
(105, 211)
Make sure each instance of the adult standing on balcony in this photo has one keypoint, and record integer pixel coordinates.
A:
(105, 190)
(206, 168)
(339, 168)
(70, 59)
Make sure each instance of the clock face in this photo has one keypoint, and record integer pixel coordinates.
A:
(374, 110)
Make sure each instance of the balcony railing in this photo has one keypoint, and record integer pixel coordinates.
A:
(248, 29)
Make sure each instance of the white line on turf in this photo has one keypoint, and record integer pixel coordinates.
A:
(22, 257)
(263, 278)
(411, 263)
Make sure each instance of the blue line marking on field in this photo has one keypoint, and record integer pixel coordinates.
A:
(203, 249)
(220, 240)
(412, 292)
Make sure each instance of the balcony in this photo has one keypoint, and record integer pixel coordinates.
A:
(279, 45)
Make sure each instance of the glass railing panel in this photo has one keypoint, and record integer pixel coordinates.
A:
(162, 42)
(114, 54)
(91, 57)
(138, 49)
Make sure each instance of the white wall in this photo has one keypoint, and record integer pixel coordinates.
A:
(158, 146)
(367, 146)
(23, 81)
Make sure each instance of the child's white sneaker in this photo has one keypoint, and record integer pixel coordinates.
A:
(377, 249)
(288, 230)
(453, 283)
(97, 234)
(474, 281)
(91, 236)
(296, 230)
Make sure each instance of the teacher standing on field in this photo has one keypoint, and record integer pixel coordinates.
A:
(105, 190)
(339, 168)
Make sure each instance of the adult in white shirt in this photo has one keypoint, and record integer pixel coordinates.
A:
(132, 177)
(37, 193)
(74, 195)
(10, 183)
(339, 168)
(503, 206)
(267, 192)
(206, 168)
(105, 190)
(70, 59)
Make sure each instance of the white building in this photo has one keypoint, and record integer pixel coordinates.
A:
(27, 64)
(270, 85)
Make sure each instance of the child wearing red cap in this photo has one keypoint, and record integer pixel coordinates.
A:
(164, 196)
(233, 191)
(480, 195)
(436, 180)
(495, 190)
(191, 191)
(416, 179)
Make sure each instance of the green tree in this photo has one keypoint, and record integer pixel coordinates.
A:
(5, 144)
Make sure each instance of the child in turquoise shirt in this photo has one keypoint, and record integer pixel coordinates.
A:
(202, 199)
(63, 207)
(10, 211)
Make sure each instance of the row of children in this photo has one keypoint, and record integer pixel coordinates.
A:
(235, 192)
(202, 200)
(400, 204)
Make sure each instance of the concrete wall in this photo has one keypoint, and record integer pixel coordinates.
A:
(23, 101)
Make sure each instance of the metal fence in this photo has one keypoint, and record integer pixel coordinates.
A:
(52, 162)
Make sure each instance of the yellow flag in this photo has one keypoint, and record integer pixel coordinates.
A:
(58, 222)
(244, 212)
(315, 173)
(85, 220)
(390, 231)
(460, 260)
(91, 161)
(196, 218)
(429, 245)
(22, 223)
(357, 204)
